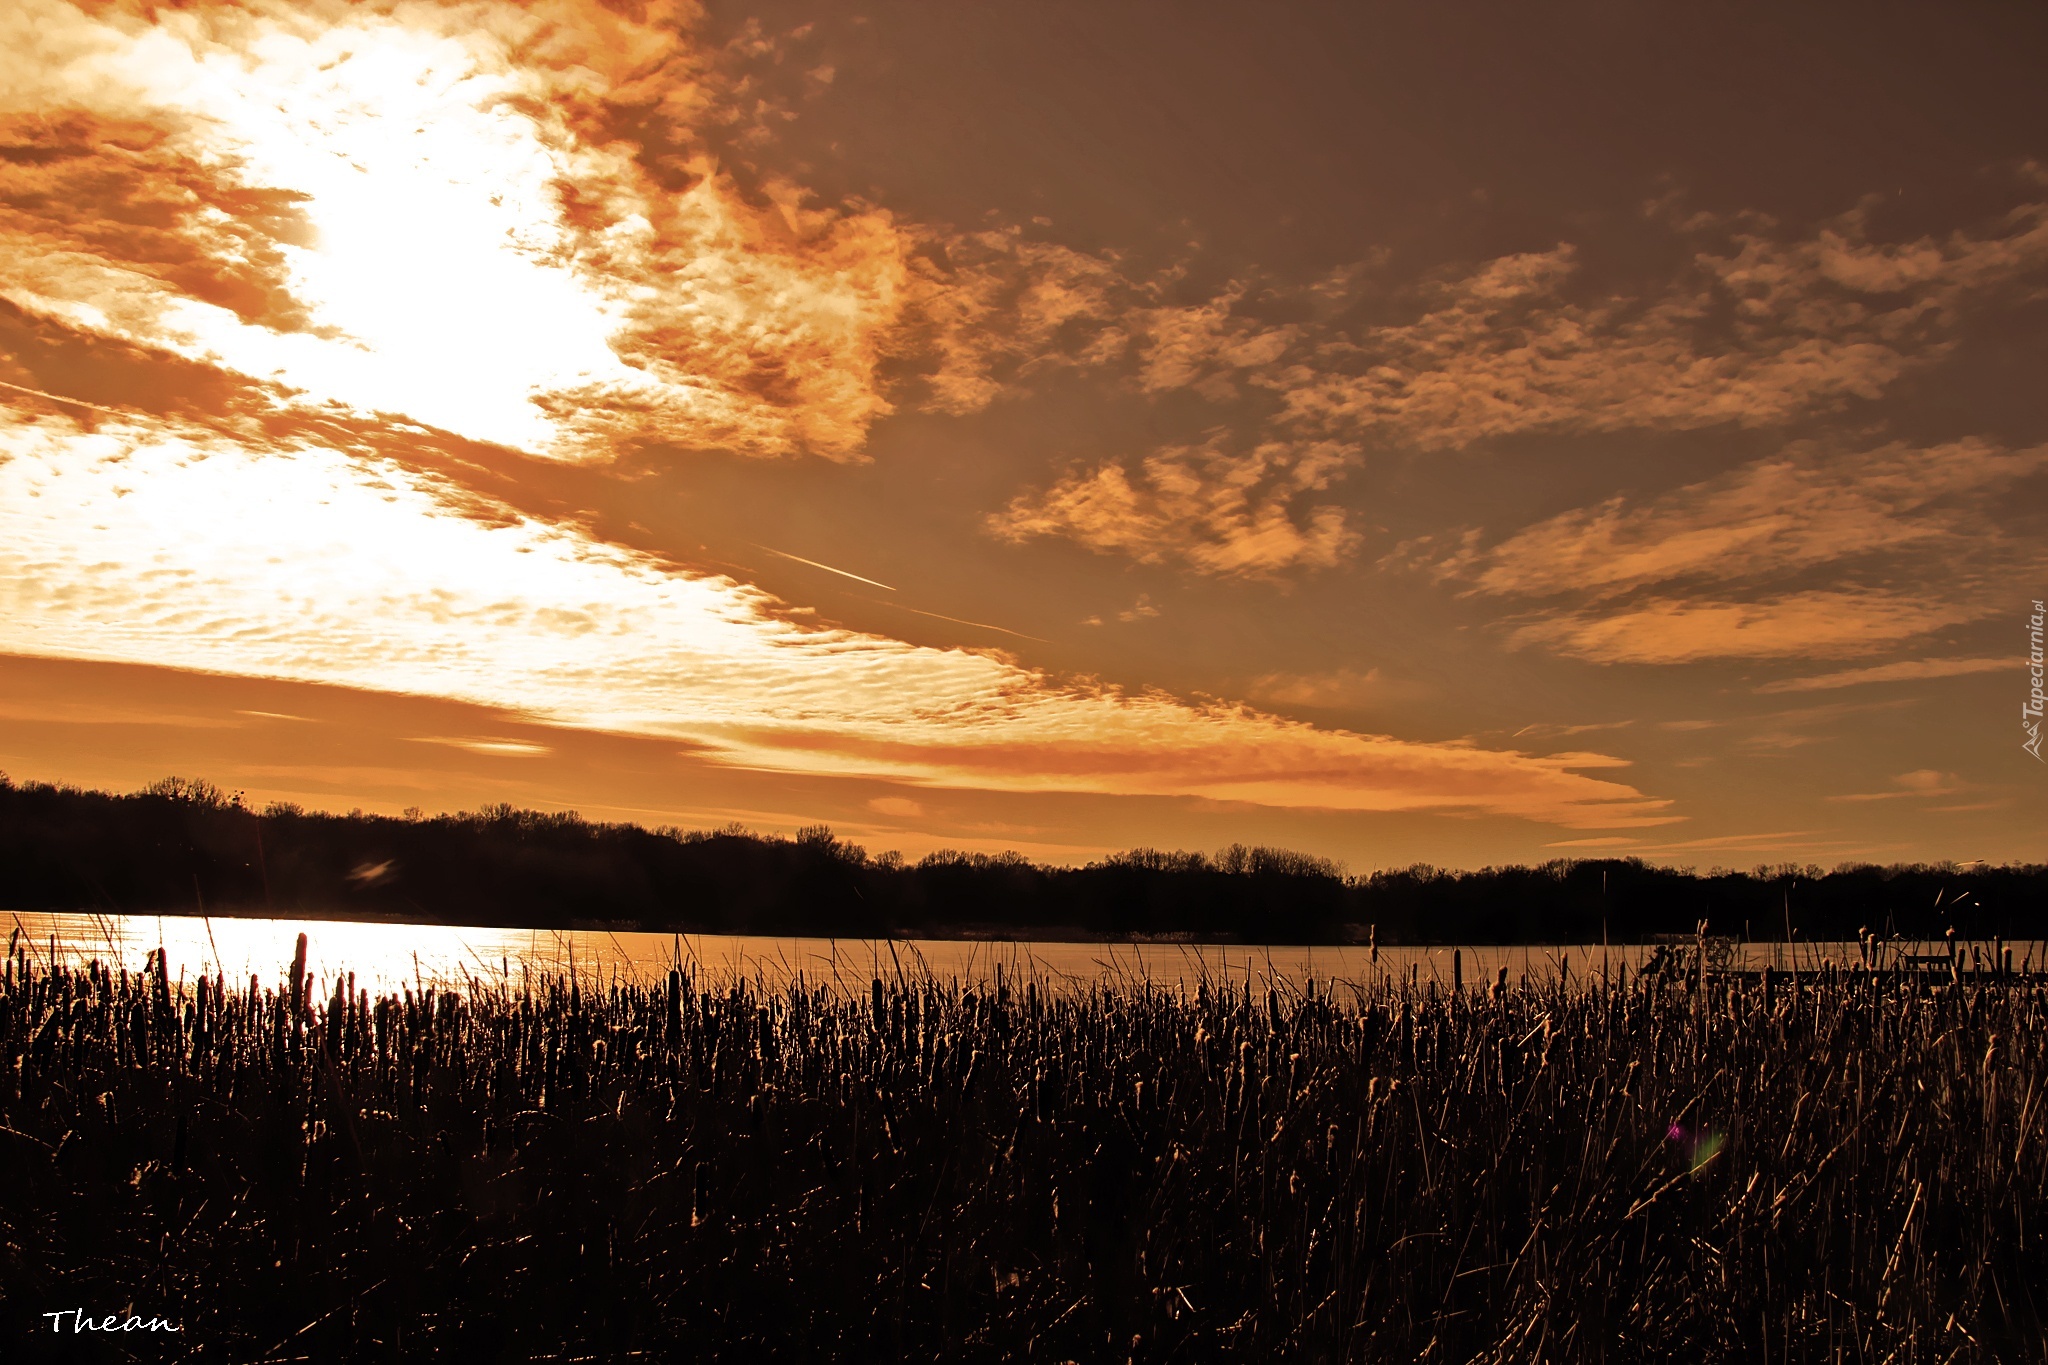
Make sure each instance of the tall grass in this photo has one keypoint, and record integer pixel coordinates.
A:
(1844, 1168)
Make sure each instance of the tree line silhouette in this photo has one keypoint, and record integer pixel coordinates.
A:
(182, 846)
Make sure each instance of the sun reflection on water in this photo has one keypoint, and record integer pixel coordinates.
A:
(392, 957)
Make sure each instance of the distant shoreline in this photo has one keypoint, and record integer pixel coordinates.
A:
(181, 847)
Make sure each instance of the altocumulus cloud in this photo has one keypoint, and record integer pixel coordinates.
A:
(1758, 329)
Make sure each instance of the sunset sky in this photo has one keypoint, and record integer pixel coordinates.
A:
(1469, 434)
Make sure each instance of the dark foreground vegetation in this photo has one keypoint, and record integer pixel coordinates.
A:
(181, 846)
(1837, 1168)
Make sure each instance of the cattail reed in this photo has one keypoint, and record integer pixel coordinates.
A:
(1842, 1166)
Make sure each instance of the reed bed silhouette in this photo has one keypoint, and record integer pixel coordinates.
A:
(1837, 1166)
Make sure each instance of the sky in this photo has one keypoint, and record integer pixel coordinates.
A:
(1469, 435)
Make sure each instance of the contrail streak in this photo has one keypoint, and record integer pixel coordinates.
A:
(961, 620)
(826, 567)
(60, 398)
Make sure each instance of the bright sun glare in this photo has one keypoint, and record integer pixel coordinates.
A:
(437, 263)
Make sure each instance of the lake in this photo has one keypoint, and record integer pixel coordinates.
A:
(386, 957)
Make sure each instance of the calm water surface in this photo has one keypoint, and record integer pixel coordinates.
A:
(385, 957)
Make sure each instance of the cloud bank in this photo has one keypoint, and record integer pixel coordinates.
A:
(282, 557)
(1807, 554)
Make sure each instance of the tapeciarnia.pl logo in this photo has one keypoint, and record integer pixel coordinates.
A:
(2030, 714)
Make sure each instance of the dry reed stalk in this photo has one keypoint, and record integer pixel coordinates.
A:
(1685, 1167)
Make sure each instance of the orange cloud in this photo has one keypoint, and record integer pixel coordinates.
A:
(127, 194)
(1335, 687)
(153, 541)
(501, 219)
(1756, 333)
(1722, 568)
(1922, 782)
(1904, 670)
(1218, 511)
(902, 807)
(421, 209)
(1756, 330)
(1807, 841)
(986, 310)
(495, 748)
(1153, 746)
(1771, 516)
(1203, 346)
(1804, 625)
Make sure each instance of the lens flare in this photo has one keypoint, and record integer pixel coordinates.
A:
(1699, 1147)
